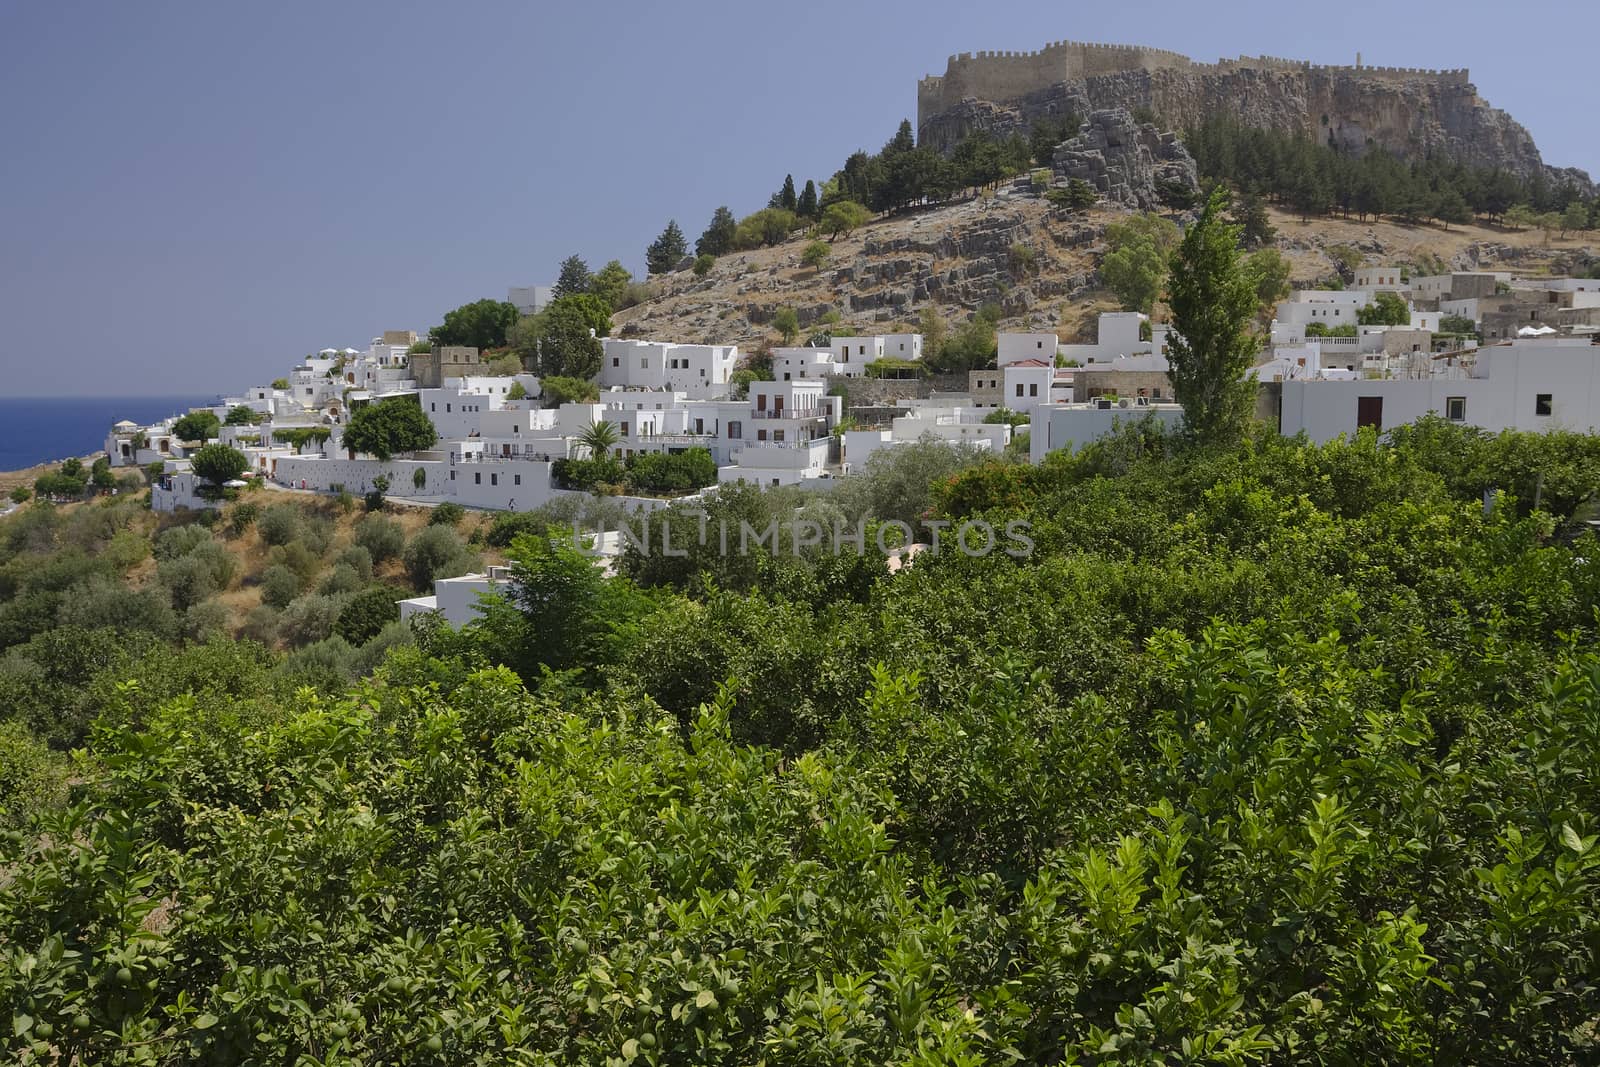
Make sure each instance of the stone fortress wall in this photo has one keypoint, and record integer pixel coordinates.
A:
(1009, 76)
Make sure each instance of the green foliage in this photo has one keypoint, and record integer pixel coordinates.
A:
(448, 513)
(1213, 300)
(973, 345)
(197, 426)
(365, 615)
(435, 552)
(382, 538)
(816, 254)
(300, 436)
(667, 250)
(559, 389)
(787, 323)
(703, 264)
(573, 277)
(384, 427)
(1135, 267)
(610, 283)
(282, 383)
(279, 585)
(566, 335)
(1386, 309)
(1457, 324)
(718, 238)
(218, 463)
(1268, 270)
(280, 524)
(481, 324)
(21, 494)
(670, 472)
(1077, 195)
(243, 415)
(767, 227)
(844, 217)
(1007, 417)
(1322, 329)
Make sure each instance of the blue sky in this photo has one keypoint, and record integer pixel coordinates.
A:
(194, 195)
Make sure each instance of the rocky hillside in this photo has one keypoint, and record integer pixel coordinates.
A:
(1039, 265)
(1412, 114)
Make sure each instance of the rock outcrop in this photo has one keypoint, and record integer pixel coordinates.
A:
(1126, 162)
(1410, 113)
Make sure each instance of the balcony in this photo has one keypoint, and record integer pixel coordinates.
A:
(793, 413)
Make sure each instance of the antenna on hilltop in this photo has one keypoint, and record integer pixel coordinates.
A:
(1358, 60)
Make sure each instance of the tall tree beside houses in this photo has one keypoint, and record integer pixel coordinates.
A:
(666, 251)
(387, 427)
(481, 324)
(1212, 346)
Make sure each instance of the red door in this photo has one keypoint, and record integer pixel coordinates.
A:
(1369, 412)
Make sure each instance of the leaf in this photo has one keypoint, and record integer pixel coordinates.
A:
(1570, 838)
(205, 1021)
(630, 1049)
(21, 1024)
(705, 999)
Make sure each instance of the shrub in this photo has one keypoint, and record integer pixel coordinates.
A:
(33, 779)
(366, 614)
(309, 618)
(179, 541)
(665, 472)
(703, 265)
(448, 514)
(204, 620)
(342, 579)
(21, 494)
(261, 625)
(279, 524)
(357, 558)
(242, 516)
(381, 537)
(435, 552)
(279, 585)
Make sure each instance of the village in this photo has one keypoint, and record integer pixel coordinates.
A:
(499, 447)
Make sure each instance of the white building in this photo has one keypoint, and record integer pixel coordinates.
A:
(698, 371)
(460, 600)
(530, 299)
(1016, 347)
(1071, 426)
(1549, 384)
(1385, 279)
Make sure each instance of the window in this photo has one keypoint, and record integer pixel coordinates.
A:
(1541, 404)
(494, 479)
(615, 361)
(761, 435)
(1455, 408)
(432, 406)
(735, 429)
(777, 435)
(642, 364)
(516, 479)
(1033, 389)
(452, 476)
(477, 477)
(1019, 388)
(447, 408)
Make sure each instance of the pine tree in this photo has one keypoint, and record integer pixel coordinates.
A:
(667, 250)
(786, 197)
(718, 237)
(574, 277)
(904, 140)
(806, 208)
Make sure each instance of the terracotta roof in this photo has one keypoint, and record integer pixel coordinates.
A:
(1029, 363)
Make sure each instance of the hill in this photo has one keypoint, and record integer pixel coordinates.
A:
(1037, 264)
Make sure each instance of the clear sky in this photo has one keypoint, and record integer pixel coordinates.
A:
(195, 195)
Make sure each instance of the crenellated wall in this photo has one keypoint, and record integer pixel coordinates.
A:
(1005, 77)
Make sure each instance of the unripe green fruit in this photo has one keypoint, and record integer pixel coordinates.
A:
(396, 985)
(647, 1040)
(43, 1029)
(124, 976)
(81, 1021)
(339, 1030)
(580, 946)
(435, 1044)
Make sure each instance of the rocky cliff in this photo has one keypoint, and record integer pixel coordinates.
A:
(1407, 112)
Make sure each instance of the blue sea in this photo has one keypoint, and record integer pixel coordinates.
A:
(37, 430)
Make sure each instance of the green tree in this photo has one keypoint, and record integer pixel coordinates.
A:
(1386, 309)
(1576, 217)
(610, 284)
(218, 463)
(703, 264)
(197, 426)
(366, 614)
(1451, 207)
(573, 278)
(816, 254)
(241, 415)
(1135, 268)
(1076, 195)
(767, 227)
(1212, 348)
(931, 324)
(1521, 217)
(385, 427)
(807, 206)
(481, 324)
(1268, 270)
(1250, 215)
(568, 335)
(844, 217)
(21, 495)
(666, 251)
(785, 197)
(717, 240)
(787, 323)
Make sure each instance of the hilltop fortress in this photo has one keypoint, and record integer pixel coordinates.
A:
(1406, 111)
